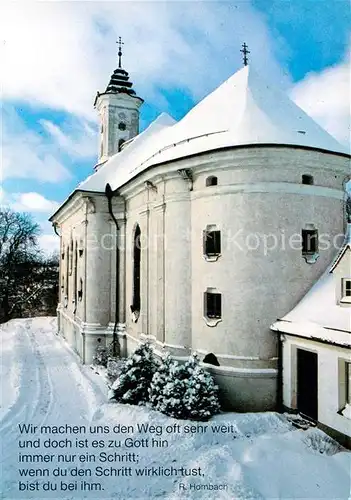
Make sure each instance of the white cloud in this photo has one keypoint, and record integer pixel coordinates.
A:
(326, 97)
(76, 137)
(58, 54)
(26, 154)
(49, 243)
(32, 202)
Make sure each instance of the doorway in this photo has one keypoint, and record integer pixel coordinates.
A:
(307, 383)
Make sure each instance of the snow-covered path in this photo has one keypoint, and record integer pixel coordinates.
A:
(42, 383)
(262, 456)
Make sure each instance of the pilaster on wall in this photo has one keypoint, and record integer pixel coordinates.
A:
(98, 273)
(122, 270)
(144, 274)
(177, 267)
(159, 294)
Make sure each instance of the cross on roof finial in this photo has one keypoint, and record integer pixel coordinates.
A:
(245, 51)
(120, 43)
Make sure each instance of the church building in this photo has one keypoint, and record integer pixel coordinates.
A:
(198, 234)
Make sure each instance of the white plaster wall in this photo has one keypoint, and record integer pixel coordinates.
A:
(85, 220)
(178, 275)
(330, 401)
(257, 286)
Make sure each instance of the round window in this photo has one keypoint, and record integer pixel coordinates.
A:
(122, 126)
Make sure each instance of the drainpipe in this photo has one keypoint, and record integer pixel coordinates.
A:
(116, 348)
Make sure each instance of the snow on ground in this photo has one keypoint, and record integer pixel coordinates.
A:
(262, 457)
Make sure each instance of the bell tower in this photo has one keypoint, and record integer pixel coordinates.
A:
(118, 109)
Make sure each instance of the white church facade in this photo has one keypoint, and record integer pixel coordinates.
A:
(199, 234)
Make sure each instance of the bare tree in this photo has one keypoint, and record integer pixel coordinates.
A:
(26, 275)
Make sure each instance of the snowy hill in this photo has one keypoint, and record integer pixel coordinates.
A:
(255, 456)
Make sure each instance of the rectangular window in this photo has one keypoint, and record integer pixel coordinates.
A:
(213, 305)
(212, 242)
(309, 241)
(346, 287)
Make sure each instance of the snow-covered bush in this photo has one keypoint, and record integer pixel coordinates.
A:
(159, 381)
(171, 400)
(201, 395)
(100, 356)
(184, 391)
(132, 385)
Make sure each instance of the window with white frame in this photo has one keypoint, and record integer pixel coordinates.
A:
(211, 242)
(345, 387)
(346, 289)
(309, 241)
(348, 383)
(213, 305)
(309, 237)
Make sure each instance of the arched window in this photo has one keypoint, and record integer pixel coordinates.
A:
(120, 144)
(307, 179)
(135, 307)
(67, 277)
(80, 291)
(75, 275)
(212, 180)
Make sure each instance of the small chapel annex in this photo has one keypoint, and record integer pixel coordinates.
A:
(199, 234)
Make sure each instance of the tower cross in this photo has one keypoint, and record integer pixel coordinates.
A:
(245, 51)
(120, 43)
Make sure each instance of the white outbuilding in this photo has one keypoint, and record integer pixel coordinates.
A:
(315, 340)
(198, 234)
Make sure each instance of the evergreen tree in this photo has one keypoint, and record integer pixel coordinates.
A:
(201, 396)
(184, 391)
(132, 386)
(171, 402)
(159, 381)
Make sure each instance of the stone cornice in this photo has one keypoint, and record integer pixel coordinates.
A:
(270, 187)
(82, 200)
(264, 157)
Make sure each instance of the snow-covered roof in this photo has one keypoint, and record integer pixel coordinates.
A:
(126, 164)
(318, 316)
(244, 110)
(346, 245)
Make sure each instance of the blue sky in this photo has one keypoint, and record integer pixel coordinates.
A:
(56, 55)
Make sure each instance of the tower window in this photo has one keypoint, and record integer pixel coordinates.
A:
(309, 241)
(307, 179)
(213, 304)
(120, 144)
(122, 126)
(212, 180)
(212, 241)
(135, 307)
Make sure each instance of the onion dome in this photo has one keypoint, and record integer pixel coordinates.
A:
(119, 83)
